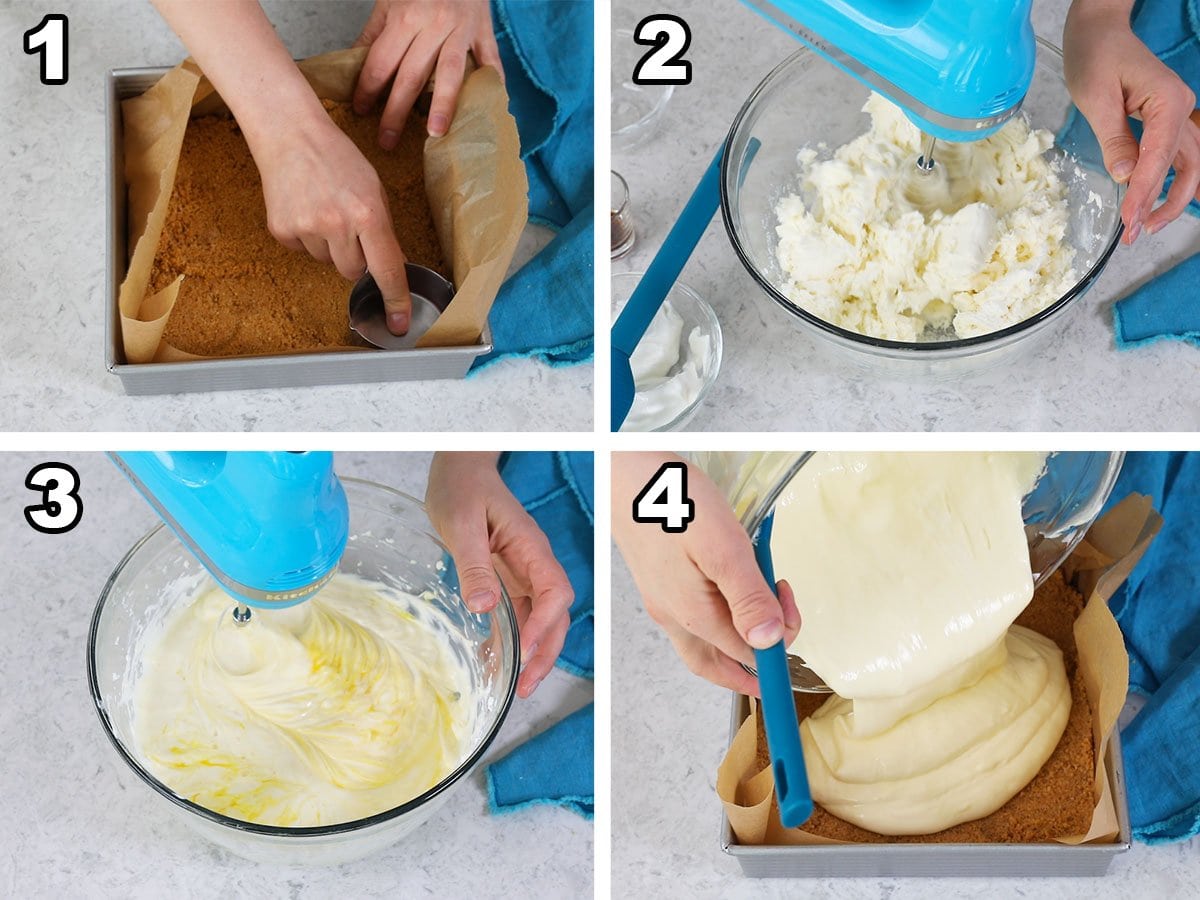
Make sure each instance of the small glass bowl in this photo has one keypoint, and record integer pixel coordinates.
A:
(696, 314)
(791, 109)
(391, 543)
(636, 108)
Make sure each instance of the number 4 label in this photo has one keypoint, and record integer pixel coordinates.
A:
(670, 37)
(49, 38)
(664, 500)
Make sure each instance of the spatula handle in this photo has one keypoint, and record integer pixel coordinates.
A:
(672, 256)
(779, 710)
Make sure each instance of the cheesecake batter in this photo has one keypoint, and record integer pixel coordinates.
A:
(908, 571)
(960, 758)
(872, 245)
(344, 706)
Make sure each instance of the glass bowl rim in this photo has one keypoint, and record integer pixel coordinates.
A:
(711, 316)
(503, 607)
(913, 348)
(636, 130)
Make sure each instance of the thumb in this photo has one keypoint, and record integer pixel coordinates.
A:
(1117, 143)
(467, 538)
(757, 615)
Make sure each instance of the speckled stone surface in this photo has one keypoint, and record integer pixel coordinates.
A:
(52, 260)
(670, 730)
(774, 377)
(78, 823)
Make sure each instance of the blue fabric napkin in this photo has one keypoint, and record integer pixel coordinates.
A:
(545, 310)
(1164, 308)
(1158, 609)
(554, 768)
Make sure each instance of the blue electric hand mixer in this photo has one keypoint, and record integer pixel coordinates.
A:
(269, 527)
(959, 71)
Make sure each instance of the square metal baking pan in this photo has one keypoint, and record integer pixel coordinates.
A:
(295, 370)
(932, 860)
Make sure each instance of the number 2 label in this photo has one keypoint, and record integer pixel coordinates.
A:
(664, 500)
(670, 37)
(49, 39)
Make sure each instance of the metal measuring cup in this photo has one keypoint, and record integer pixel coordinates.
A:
(431, 294)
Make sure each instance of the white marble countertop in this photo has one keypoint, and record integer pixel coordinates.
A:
(1084, 384)
(78, 823)
(52, 261)
(670, 730)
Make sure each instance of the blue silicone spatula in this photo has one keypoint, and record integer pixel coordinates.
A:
(779, 710)
(663, 272)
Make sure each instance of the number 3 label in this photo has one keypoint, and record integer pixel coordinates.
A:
(61, 508)
(664, 500)
(49, 38)
(670, 37)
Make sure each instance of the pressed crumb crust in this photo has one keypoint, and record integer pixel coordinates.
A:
(246, 294)
(1057, 802)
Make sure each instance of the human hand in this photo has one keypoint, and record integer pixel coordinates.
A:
(323, 197)
(488, 531)
(703, 587)
(411, 40)
(1111, 74)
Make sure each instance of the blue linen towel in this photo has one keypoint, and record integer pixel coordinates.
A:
(545, 310)
(1166, 307)
(553, 768)
(1158, 609)
(556, 766)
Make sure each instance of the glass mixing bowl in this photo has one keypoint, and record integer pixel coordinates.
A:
(792, 109)
(1057, 512)
(391, 543)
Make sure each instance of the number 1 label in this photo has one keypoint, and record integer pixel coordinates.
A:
(49, 39)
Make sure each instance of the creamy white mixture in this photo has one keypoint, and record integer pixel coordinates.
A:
(908, 571)
(666, 380)
(872, 245)
(339, 708)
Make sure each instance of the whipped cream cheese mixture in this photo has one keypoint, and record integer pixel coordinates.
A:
(666, 380)
(339, 708)
(872, 245)
(908, 571)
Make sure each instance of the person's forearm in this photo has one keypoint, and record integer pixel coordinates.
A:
(241, 54)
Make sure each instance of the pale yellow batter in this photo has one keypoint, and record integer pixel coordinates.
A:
(908, 571)
(339, 708)
(874, 247)
(958, 759)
